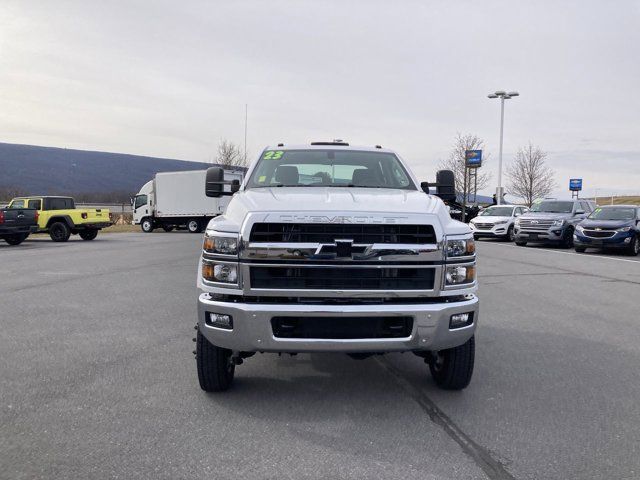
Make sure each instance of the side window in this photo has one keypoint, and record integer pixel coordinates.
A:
(586, 207)
(60, 203)
(518, 211)
(17, 204)
(35, 204)
(140, 201)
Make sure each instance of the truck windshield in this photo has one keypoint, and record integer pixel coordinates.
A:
(553, 206)
(613, 213)
(329, 168)
(497, 211)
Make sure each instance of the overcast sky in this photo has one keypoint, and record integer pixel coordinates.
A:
(170, 79)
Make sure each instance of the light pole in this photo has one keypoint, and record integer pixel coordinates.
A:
(502, 95)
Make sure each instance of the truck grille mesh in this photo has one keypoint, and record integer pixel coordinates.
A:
(342, 278)
(330, 232)
(342, 327)
(484, 226)
(599, 233)
(535, 224)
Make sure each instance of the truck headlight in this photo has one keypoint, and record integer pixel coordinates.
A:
(460, 248)
(499, 222)
(623, 229)
(558, 223)
(220, 272)
(224, 244)
(459, 275)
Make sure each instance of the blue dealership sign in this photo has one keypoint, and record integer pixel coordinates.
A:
(575, 184)
(473, 158)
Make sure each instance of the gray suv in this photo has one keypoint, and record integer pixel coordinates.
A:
(552, 221)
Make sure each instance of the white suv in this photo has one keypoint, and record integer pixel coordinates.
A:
(497, 221)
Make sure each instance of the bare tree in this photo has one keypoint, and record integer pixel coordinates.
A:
(230, 155)
(529, 176)
(456, 162)
(11, 191)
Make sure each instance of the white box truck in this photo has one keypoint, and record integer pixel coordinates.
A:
(177, 200)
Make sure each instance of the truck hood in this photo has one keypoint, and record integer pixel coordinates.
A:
(546, 215)
(332, 201)
(489, 218)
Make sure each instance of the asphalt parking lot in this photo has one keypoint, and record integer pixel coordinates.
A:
(98, 379)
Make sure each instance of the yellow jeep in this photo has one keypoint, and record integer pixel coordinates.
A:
(60, 218)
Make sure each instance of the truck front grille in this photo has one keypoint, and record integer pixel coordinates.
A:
(330, 232)
(342, 327)
(341, 278)
(484, 226)
(526, 224)
(599, 233)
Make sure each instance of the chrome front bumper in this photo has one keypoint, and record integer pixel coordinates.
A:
(252, 329)
(554, 234)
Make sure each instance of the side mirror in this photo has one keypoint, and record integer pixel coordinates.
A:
(214, 185)
(425, 187)
(131, 201)
(446, 185)
(235, 186)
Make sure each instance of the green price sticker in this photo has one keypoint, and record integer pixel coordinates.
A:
(273, 155)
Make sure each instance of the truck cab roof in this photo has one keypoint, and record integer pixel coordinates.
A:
(330, 145)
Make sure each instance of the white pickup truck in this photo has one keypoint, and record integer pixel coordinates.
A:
(334, 248)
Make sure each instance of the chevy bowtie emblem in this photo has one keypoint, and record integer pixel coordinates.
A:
(341, 248)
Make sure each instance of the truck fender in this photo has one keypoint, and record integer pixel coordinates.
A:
(64, 218)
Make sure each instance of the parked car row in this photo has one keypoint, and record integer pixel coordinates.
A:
(576, 223)
(57, 216)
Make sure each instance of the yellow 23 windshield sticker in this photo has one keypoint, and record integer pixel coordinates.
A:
(272, 155)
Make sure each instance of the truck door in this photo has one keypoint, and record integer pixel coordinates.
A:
(140, 208)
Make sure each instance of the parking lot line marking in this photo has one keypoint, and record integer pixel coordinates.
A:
(584, 255)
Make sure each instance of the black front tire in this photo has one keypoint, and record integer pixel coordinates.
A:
(215, 368)
(567, 238)
(89, 234)
(167, 228)
(146, 225)
(511, 235)
(16, 238)
(59, 232)
(452, 369)
(634, 247)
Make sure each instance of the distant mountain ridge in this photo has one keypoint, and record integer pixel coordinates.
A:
(49, 170)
